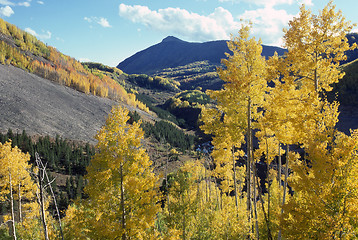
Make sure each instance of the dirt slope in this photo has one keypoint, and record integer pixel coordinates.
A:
(42, 107)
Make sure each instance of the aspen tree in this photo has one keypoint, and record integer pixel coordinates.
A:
(122, 188)
(324, 205)
(22, 192)
(184, 198)
(238, 103)
(316, 45)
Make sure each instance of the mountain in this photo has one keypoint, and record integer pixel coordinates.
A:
(46, 92)
(45, 108)
(352, 54)
(172, 52)
(21, 49)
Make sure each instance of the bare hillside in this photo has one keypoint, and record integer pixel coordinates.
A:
(42, 107)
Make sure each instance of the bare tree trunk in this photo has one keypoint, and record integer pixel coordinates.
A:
(43, 168)
(55, 202)
(198, 192)
(279, 168)
(235, 185)
(182, 198)
(279, 171)
(269, 236)
(248, 163)
(315, 80)
(42, 204)
(217, 195)
(286, 176)
(124, 235)
(20, 205)
(268, 219)
(266, 216)
(254, 196)
(12, 208)
(207, 185)
(284, 186)
(184, 227)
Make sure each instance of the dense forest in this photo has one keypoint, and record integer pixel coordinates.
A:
(271, 113)
(68, 160)
(198, 74)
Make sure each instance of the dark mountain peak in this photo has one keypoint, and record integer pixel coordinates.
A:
(173, 52)
(171, 39)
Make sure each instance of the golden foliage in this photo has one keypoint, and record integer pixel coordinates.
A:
(47, 62)
(122, 188)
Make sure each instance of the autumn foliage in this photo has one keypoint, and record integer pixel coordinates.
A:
(23, 50)
(310, 182)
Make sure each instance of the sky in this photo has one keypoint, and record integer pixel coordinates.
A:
(109, 31)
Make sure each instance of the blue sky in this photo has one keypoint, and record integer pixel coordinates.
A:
(109, 31)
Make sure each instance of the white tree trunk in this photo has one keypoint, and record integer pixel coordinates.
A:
(12, 208)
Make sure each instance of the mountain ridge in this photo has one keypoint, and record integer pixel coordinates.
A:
(173, 52)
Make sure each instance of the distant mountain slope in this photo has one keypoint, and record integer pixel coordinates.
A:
(173, 52)
(42, 107)
(352, 55)
(23, 50)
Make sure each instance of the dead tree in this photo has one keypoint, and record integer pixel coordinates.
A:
(43, 183)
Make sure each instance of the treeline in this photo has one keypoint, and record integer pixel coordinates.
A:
(155, 82)
(60, 156)
(167, 132)
(194, 75)
(346, 90)
(187, 106)
(161, 113)
(193, 98)
(23, 50)
(100, 70)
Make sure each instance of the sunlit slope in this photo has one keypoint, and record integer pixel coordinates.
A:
(22, 50)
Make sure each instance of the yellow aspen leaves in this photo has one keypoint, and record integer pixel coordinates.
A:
(122, 188)
(19, 191)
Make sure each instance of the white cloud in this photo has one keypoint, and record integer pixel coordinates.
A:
(85, 60)
(271, 3)
(306, 2)
(263, 2)
(99, 20)
(40, 2)
(43, 36)
(217, 25)
(6, 2)
(25, 4)
(268, 23)
(6, 11)
(354, 30)
(103, 22)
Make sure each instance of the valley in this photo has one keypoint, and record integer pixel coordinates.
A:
(174, 134)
